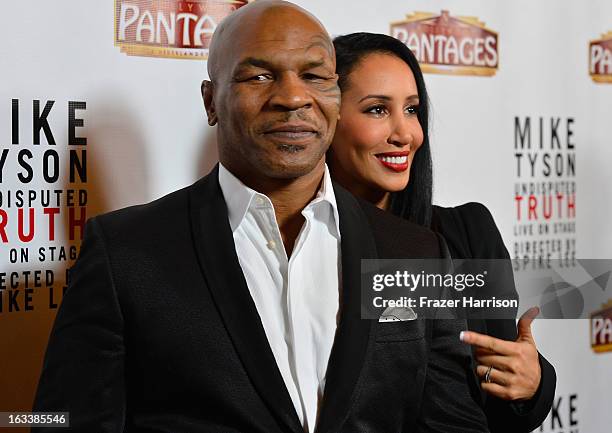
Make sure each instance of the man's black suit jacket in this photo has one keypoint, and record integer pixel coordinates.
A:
(158, 333)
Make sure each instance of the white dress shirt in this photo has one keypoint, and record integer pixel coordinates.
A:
(296, 297)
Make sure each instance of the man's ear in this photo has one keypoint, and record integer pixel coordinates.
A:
(209, 103)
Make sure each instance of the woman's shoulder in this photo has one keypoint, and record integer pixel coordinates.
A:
(473, 213)
(470, 230)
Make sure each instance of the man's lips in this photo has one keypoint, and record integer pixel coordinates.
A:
(293, 132)
(396, 161)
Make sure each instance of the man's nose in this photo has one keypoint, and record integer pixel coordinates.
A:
(290, 93)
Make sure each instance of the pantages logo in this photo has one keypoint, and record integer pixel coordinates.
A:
(449, 45)
(600, 59)
(601, 329)
(169, 28)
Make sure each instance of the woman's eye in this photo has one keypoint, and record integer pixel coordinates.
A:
(378, 110)
(412, 109)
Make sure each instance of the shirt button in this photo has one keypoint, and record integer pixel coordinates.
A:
(271, 244)
(259, 200)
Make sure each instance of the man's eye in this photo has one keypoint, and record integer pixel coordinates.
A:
(260, 77)
(313, 77)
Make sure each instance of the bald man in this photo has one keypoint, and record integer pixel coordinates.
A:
(233, 305)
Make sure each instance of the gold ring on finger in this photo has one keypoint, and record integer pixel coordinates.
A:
(487, 377)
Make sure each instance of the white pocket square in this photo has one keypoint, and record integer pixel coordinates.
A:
(397, 314)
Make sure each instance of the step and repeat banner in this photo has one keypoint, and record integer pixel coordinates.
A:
(100, 108)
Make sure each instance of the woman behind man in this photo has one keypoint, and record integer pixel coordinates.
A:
(381, 153)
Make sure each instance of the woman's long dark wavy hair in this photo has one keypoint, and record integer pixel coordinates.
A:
(414, 201)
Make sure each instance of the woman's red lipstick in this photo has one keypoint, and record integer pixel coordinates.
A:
(396, 161)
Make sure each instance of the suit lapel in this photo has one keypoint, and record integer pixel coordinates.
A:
(214, 244)
(352, 336)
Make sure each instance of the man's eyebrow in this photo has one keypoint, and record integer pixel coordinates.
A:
(314, 64)
(265, 64)
(254, 61)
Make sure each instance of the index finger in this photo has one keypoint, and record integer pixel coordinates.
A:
(496, 345)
